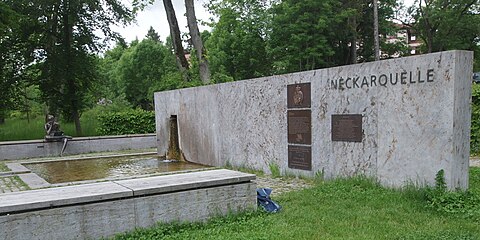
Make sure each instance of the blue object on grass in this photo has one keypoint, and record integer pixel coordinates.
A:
(264, 200)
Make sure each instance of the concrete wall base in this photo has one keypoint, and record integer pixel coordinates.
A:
(41, 148)
(105, 209)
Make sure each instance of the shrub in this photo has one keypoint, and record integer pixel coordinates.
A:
(460, 202)
(127, 122)
(475, 128)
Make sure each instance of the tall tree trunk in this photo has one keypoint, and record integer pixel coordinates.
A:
(353, 47)
(197, 41)
(182, 62)
(375, 30)
(68, 34)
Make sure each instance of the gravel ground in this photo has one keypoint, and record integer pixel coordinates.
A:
(282, 185)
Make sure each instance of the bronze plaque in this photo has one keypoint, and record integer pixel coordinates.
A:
(300, 157)
(299, 126)
(298, 95)
(347, 127)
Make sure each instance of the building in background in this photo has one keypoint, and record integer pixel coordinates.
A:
(407, 35)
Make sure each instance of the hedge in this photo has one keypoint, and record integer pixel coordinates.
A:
(135, 121)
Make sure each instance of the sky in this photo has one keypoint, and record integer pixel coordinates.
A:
(154, 15)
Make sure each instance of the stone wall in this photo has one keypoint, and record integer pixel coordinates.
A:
(77, 145)
(415, 120)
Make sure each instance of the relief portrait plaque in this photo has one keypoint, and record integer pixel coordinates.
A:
(347, 127)
(298, 95)
(299, 126)
(300, 157)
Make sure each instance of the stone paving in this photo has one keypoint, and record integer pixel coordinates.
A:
(11, 184)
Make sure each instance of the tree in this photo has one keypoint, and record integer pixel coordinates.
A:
(153, 35)
(16, 54)
(197, 41)
(182, 62)
(66, 43)
(445, 25)
(238, 42)
(311, 34)
(141, 67)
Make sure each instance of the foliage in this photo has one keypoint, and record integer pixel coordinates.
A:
(354, 208)
(61, 44)
(445, 25)
(3, 167)
(475, 127)
(135, 121)
(237, 45)
(462, 202)
(171, 81)
(14, 58)
(311, 34)
(274, 170)
(142, 66)
(153, 35)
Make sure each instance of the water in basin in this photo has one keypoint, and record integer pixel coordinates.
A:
(100, 168)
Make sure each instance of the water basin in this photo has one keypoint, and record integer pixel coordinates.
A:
(101, 168)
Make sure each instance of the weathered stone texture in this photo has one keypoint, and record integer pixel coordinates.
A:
(412, 127)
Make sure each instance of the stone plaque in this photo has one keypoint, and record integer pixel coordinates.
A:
(298, 95)
(347, 127)
(300, 157)
(299, 126)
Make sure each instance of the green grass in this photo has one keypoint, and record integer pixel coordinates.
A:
(356, 208)
(3, 167)
(20, 183)
(21, 129)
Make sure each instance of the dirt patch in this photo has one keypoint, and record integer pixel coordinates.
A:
(282, 185)
(475, 162)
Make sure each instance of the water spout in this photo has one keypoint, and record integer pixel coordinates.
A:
(65, 141)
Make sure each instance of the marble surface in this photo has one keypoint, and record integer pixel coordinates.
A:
(415, 120)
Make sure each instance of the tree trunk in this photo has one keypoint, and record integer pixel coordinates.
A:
(68, 33)
(353, 46)
(197, 41)
(375, 30)
(182, 62)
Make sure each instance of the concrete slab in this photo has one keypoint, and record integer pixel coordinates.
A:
(61, 196)
(17, 168)
(34, 181)
(186, 181)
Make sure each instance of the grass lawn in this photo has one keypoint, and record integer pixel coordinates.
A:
(354, 208)
(21, 129)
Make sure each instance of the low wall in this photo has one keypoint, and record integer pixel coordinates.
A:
(399, 120)
(42, 148)
(93, 211)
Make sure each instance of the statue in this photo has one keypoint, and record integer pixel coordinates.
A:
(52, 128)
(54, 134)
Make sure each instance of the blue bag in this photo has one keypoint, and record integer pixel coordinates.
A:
(264, 200)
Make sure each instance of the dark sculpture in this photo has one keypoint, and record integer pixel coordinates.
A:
(52, 128)
(54, 134)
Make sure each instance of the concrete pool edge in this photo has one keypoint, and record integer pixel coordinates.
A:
(118, 206)
(12, 150)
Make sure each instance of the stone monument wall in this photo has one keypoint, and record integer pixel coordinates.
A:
(399, 120)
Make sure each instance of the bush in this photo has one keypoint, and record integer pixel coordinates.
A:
(475, 128)
(127, 122)
(460, 202)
